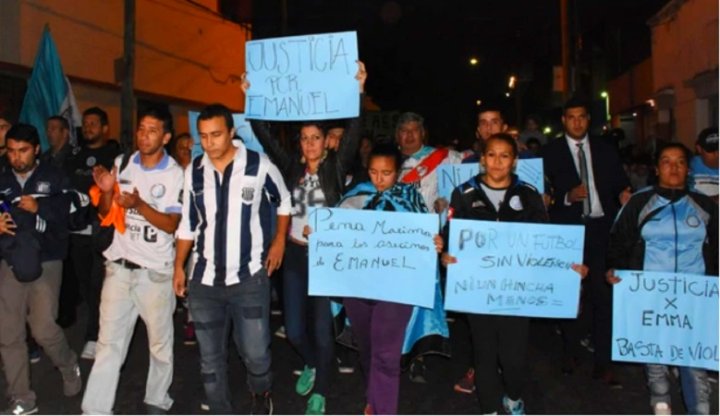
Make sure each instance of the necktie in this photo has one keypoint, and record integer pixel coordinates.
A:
(582, 162)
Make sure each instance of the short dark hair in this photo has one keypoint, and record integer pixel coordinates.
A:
(662, 147)
(216, 110)
(24, 133)
(5, 115)
(322, 126)
(503, 137)
(62, 121)
(97, 111)
(386, 149)
(183, 135)
(575, 102)
(491, 105)
(532, 140)
(335, 124)
(159, 113)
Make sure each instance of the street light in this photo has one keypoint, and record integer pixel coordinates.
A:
(478, 102)
(473, 61)
(511, 82)
(606, 96)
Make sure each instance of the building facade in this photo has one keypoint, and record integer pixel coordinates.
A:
(186, 54)
(685, 68)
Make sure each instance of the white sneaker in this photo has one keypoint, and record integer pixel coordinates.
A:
(662, 408)
(280, 333)
(88, 351)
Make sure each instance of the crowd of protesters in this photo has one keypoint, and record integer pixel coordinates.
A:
(132, 230)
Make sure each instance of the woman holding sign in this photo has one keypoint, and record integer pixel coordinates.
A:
(379, 326)
(315, 177)
(667, 228)
(498, 195)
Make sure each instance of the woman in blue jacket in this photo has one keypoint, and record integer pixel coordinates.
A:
(667, 228)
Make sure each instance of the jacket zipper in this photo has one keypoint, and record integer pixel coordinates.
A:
(676, 236)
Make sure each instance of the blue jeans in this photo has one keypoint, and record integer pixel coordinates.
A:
(308, 319)
(695, 387)
(244, 307)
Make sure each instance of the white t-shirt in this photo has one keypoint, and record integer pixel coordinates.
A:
(495, 195)
(306, 195)
(142, 243)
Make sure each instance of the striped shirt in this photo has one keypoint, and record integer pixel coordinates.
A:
(229, 217)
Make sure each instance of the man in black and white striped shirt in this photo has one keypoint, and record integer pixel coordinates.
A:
(228, 217)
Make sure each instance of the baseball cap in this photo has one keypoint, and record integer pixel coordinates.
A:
(708, 139)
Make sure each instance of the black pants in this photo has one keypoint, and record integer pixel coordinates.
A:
(596, 311)
(69, 294)
(89, 268)
(499, 340)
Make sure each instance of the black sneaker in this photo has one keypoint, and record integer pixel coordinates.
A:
(154, 410)
(262, 404)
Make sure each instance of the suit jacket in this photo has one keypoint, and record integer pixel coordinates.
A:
(560, 172)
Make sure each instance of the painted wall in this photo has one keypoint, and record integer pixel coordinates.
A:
(684, 46)
(186, 55)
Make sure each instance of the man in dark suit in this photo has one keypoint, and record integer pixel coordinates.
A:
(587, 186)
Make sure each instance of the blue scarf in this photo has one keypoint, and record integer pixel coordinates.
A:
(400, 197)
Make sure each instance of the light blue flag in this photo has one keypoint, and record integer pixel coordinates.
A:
(665, 318)
(49, 93)
(376, 255)
(242, 129)
(453, 175)
(512, 268)
(308, 77)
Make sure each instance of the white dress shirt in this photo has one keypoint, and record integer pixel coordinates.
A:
(596, 210)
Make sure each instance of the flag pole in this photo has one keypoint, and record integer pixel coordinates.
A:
(127, 112)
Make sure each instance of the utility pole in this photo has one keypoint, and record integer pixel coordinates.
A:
(127, 108)
(565, 46)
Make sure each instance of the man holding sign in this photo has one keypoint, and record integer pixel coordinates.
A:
(496, 195)
(666, 228)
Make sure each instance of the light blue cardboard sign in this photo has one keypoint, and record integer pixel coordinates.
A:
(666, 318)
(453, 175)
(242, 129)
(518, 269)
(302, 77)
(376, 255)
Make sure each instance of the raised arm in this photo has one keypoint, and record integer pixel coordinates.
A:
(281, 158)
(349, 144)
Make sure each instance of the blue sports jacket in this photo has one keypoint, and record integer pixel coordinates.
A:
(666, 230)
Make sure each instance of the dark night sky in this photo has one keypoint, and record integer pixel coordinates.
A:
(417, 52)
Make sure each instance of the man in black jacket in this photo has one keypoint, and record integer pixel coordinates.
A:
(587, 186)
(35, 188)
(87, 259)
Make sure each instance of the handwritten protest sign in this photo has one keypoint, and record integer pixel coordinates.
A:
(666, 318)
(303, 77)
(373, 255)
(452, 175)
(518, 269)
(242, 129)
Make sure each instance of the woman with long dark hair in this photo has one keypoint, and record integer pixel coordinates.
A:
(315, 176)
